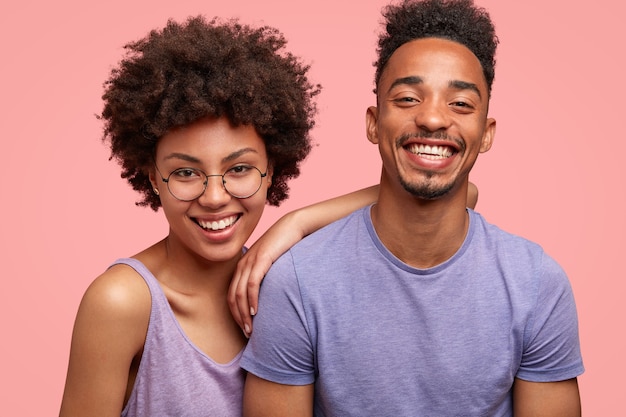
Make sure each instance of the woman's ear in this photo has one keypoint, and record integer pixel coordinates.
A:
(152, 175)
(270, 173)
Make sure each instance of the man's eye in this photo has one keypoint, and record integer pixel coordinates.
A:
(406, 101)
(461, 104)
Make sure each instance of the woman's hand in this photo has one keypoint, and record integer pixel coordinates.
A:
(243, 294)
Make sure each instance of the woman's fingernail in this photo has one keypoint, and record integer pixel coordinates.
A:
(252, 311)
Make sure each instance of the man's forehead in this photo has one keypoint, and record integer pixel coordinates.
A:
(420, 57)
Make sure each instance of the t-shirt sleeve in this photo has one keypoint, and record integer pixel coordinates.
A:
(551, 340)
(280, 349)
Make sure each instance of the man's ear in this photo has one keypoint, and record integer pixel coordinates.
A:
(488, 135)
(371, 124)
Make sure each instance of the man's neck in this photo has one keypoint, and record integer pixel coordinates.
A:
(421, 233)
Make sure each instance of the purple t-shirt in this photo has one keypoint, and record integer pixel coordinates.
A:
(380, 338)
(175, 378)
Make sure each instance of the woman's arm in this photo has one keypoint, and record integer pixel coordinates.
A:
(472, 195)
(109, 331)
(286, 232)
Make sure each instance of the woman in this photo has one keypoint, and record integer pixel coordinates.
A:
(208, 121)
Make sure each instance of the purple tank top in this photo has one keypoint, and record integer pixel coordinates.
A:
(175, 378)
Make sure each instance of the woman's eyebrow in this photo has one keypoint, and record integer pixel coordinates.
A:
(238, 153)
(183, 156)
(193, 159)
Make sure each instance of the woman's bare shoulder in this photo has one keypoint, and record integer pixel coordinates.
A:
(109, 333)
(119, 294)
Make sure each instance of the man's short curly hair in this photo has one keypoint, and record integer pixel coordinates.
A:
(456, 20)
(196, 69)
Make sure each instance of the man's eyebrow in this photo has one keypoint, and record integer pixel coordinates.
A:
(455, 84)
(411, 80)
(464, 85)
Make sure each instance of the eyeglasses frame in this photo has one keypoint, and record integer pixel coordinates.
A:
(206, 182)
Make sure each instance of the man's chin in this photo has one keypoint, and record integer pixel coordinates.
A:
(427, 192)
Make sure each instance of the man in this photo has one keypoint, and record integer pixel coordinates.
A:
(417, 306)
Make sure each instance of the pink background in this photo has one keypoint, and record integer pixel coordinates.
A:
(554, 175)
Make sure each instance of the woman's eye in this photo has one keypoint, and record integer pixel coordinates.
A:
(186, 173)
(239, 170)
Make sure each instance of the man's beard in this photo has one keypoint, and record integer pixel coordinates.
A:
(426, 191)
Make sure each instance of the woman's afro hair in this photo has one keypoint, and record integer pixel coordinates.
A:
(456, 20)
(197, 69)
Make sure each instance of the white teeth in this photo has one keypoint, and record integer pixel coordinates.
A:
(431, 152)
(218, 225)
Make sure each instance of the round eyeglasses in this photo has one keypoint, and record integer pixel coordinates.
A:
(187, 184)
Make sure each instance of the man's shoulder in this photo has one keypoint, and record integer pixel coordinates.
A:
(513, 249)
(496, 234)
(325, 247)
(338, 231)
